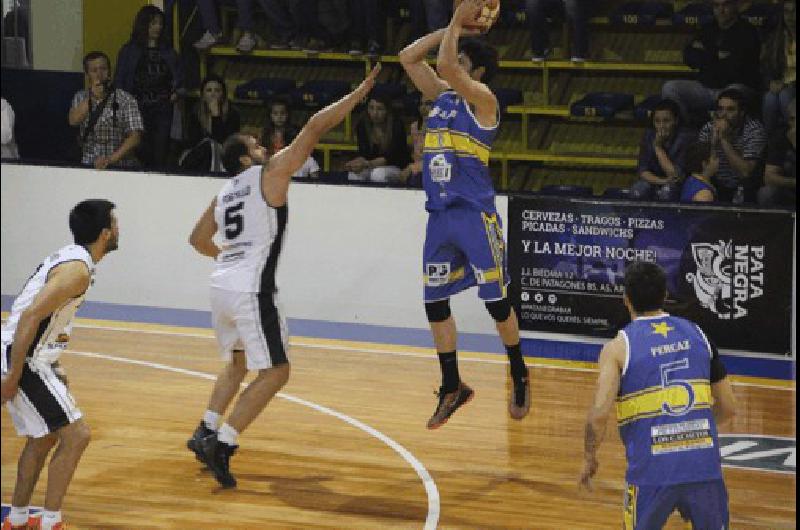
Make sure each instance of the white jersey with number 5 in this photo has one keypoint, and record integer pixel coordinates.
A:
(249, 235)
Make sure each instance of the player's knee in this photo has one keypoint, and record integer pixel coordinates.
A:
(499, 309)
(438, 311)
(77, 435)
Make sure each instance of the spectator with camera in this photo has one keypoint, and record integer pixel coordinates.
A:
(108, 117)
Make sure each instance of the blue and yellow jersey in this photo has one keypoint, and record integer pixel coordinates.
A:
(664, 403)
(455, 164)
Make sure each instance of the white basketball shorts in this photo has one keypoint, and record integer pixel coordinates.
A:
(250, 322)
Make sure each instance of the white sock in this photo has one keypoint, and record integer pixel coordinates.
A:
(18, 515)
(227, 434)
(211, 419)
(49, 519)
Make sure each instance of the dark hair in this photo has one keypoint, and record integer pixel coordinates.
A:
(91, 56)
(269, 127)
(88, 218)
(670, 105)
(233, 148)
(696, 154)
(645, 286)
(215, 78)
(735, 95)
(141, 26)
(481, 54)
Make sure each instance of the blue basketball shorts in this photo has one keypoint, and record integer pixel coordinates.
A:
(463, 248)
(702, 504)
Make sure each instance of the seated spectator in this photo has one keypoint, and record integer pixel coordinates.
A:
(110, 124)
(726, 53)
(780, 175)
(382, 145)
(369, 27)
(701, 165)
(213, 31)
(208, 126)
(148, 69)
(739, 141)
(285, 18)
(577, 13)
(779, 66)
(279, 132)
(661, 155)
(9, 145)
(412, 173)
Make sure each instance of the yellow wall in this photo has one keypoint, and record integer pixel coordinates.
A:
(57, 36)
(107, 24)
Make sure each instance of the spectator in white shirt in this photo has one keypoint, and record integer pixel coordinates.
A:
(9, 143)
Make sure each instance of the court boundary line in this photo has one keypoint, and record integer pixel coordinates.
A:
(431, 491)
(331, 344)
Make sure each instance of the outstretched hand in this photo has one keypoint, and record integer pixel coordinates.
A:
(369, 81)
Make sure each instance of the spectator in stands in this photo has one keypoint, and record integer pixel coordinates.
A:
(726, 53)
(285, 18)
(334, 22)
(208, 126)
(213, 33)
(149, 69)
(779, 66)
(537, 12)
(9, 144)
(662, 155)
(780, 175)
(701, 165)
(739, 141)
(279, 132)
(369, 27)
(412, 173)
(109, 119)
(382, 145)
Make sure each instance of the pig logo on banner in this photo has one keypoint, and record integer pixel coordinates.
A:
(727, 277)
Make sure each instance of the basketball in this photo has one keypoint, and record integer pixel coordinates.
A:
(486, 18)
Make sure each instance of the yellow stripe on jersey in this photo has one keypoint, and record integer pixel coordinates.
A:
(494, 236)
(648, 403)
(455, 275)
(463, 144)
(629, 507)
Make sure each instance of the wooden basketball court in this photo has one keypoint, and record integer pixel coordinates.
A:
(345, 444)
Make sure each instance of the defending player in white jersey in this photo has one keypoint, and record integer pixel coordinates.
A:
(243, 231)
(33, 385)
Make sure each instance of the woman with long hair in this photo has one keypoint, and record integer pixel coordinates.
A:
(208, 126)
(148, 68)
(382, 144)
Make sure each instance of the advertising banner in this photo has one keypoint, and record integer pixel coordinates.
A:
(728, 270)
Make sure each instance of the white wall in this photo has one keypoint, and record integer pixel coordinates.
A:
(57, 35)
(351, 254)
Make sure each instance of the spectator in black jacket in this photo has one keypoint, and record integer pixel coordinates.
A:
(726, 54)
(148, 69)
(382, 145)
(780, 176)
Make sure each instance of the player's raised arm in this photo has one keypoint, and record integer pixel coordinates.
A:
(459, 79)
(277, 174)
(412, 57)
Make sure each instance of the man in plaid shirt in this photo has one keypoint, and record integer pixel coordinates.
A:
(114, 137)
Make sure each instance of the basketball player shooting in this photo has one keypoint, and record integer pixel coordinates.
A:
(464, 243)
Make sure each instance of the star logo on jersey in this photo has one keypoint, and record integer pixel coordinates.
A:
(662, 328)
